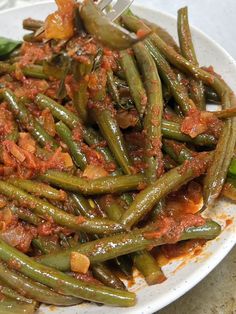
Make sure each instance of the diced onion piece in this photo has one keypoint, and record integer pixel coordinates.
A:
(79, 263)
(67, 160)
(94, 172)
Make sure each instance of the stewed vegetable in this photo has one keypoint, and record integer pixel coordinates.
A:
(107, 153)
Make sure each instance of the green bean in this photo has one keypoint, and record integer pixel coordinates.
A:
(45, 209)
(45, 245)
(153, 114)
(32, 24)
(226, 113)
(134, 80)
(107, 277)
(147, 265)
(35, 71)
(83, 206)
(32, 289)
(169, 77)
(39, 189)
(178, 152)
(163, 34)
(120, 244)
(188, 51)
(170, 181)
(57, 110)
(100, 270)
(11, 306)
(80, 95)
(98, 59)
(174, 57)
(171, 130)
(91, 137)
(110, 34)
(74, 148)
(27, 120)
(8, 292)
(68, 285)
(112, 88)
(113, 136)
(217, 172)
(30, 70)
(26, 215)
(166, 72)
(103, 185)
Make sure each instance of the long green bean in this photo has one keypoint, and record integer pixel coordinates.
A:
(114, 137)
(134, 80)
(103, 185)
(74, 148)
(32, 289)
(170, 181)
(39, 189)
(68, 285)
(26, 215)
(153, 113)
(188, 51)
(125, 243)
(90, 136)
(28, 121)
(45, 209)
(8, 292)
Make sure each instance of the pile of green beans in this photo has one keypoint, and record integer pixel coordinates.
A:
(102, 211)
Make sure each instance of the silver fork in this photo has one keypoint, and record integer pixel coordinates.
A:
(116, 10)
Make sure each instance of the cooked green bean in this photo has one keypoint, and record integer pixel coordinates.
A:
(83, 206)
(26, 215)
(27, 119)
(226, 113)
(91, 137)
(45, 209)
(74, 148)
(112, 88)
(110, 34)
(30, 70)
(45, 245)
(10, 293)
(113, 136)
(102, 273)
(153, 113)
(39, 189)
(147, 265)
(32, 289)
(103, 185)
(125, 243)
(134, 80)
(171, 130)
(11, 306)
(164, 35)
(153, 193)
(178, 152)
(217, 172)
(188, 51)
(68, 286)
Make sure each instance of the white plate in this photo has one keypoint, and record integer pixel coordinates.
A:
(151, 299)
